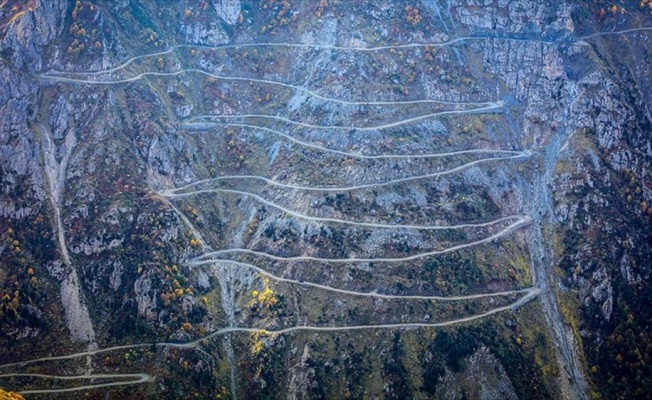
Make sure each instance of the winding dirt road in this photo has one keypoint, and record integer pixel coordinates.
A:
(491, 107)
(132, 380)
(521, 221)
(318, 47)
(364, 294)
(179, 192)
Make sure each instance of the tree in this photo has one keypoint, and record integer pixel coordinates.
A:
(4, 395)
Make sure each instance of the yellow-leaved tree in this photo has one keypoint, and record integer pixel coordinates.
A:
(4, 395)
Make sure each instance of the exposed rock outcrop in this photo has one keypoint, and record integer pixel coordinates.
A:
(228, 10)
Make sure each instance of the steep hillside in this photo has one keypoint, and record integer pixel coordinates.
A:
(335, 199)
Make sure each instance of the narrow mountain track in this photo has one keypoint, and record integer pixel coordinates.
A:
(373, 294)
(491, 107)
(521, 221)
(70, 78)
(319, 47)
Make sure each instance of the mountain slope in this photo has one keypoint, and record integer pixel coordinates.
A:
(324, 200)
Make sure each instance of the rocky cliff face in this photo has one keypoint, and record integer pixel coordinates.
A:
(326, 199)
